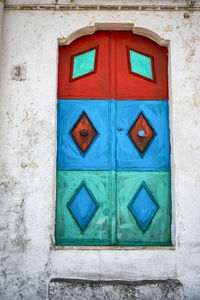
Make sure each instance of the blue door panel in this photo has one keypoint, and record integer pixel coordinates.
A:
(157, 154)
(69, 155)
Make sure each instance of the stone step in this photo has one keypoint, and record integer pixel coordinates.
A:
(73, 289)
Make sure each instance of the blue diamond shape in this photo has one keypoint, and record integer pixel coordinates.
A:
(143, 206)
(82, 207)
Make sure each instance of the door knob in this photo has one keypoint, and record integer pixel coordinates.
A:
(141, 133)
(83, 132)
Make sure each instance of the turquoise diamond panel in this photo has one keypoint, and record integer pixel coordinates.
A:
(143, 206)
(141, 64)
(83, 207)
(97, 185)
(84, 63)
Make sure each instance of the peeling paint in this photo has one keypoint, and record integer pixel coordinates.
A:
(168, 28)
(196, 99)
(190, 55)
(29, 165)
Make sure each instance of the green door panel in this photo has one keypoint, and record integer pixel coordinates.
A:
(158, 230)
(100, 230)
(113, 193)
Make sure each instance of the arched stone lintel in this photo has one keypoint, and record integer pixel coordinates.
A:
(88, 30)
(151, 35)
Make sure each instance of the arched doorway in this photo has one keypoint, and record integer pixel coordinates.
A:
(113, 159)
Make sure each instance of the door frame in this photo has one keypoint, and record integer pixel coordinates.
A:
(89, 30)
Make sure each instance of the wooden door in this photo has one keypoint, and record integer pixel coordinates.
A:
(113, 157)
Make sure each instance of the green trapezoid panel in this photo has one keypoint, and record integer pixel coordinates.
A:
(84, 63)
(141, 64)
(143, 209)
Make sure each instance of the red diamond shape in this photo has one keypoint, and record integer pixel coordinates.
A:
(141, 133)
(83, 132)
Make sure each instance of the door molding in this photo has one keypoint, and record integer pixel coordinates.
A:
(88, 30)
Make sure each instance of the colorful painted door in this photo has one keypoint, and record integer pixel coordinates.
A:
(113, 154)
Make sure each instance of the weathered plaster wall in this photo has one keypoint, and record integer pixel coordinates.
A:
(1, 25)
(28, 151)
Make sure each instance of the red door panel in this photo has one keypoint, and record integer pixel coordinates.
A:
(132, 86)
(112, 77)
(94, 85)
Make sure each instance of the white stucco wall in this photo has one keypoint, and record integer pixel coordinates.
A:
(1, 25)
(28, 151)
